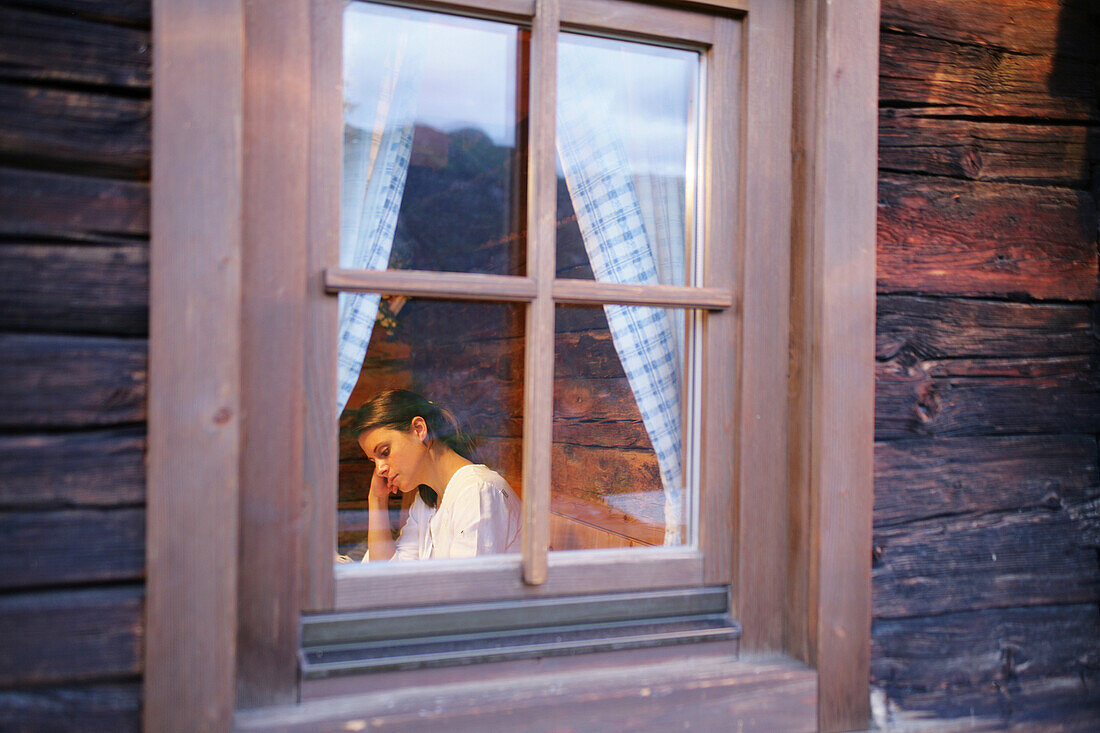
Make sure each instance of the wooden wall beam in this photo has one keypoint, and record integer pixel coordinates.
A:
(831, 456)
(194, 352)
(276, 197)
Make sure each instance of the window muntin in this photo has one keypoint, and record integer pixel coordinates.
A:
(581, 572)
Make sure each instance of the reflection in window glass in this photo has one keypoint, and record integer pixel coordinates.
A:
(467, 357)
(618, 469)
(627, 141)
(433, 154)
(433, 151)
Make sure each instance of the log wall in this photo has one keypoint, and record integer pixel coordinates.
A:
(987, 491)
(74, 227)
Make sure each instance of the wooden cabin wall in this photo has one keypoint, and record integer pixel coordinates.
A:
(986, 532)
(74, 229)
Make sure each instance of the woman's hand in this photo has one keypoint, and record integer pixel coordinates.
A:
(379, 532)
(379, 490)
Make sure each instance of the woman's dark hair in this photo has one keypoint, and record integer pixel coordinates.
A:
(396, 408)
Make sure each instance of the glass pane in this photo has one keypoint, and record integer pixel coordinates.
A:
(434, 142)
(467, 358)
(627, 139)
(619, 471)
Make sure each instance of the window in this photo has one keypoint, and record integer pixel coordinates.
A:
(499, 271)
(783, 539)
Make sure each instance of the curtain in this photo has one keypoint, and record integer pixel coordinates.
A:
(632, 224)
(380, 110)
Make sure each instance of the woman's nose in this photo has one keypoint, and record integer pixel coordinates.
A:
(381, 468)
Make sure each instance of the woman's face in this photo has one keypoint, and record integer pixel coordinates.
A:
(399, 456)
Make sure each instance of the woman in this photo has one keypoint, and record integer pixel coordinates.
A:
(462, 509)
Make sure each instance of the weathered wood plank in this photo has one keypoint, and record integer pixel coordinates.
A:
(1031, 557)
(74, 207)
(75, 288)
(78, 131)
(912, 141)
(65, 636)
(64, 381)
(974, 238)
(1067, 704)
(1027, 26)
(43, 548)
(102, 468)
(59, 48)
(102, 708)
(131, 12)
(713, 694)
(922, 479)
(948, 78)
(987, 397)
(917, 327)
(985, 652)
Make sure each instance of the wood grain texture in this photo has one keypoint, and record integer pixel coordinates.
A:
(941, 477)
(761, 340)
(120, 12)
(981, 659)
(195, 375)
(421, 284)
(911, 141)
(75, 288)
(69, 381)
(952, 79)
(320, 428)
(69, 635)
(1066, 703)
(499, 577)
(842, 397)
(946, 237)
(273, 280)
(538, 367)
(589, 292)
(1024, 26)
(717, 398)
(957, 397)
(59, 48)
(664, 23)
(922, 327)
(997, 560)
(711, 694)
(75, 130)
(71, 546)
(63, 206)
(100, 708)
(100, 468)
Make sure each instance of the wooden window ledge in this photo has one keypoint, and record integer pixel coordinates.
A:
(622, 691)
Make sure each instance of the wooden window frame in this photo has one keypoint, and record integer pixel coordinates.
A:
(223, 594)
(359, 587)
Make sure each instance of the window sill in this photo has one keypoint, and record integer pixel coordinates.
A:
(612, 691)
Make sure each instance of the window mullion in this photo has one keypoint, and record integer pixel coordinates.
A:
(538, 421)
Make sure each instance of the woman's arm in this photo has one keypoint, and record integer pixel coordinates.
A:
(379, 532)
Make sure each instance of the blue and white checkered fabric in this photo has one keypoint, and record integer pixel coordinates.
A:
(375, 167)
(603, 194)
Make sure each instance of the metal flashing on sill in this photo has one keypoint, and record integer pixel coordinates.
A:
(354, 643)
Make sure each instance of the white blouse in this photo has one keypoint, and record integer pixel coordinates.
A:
(478, 515)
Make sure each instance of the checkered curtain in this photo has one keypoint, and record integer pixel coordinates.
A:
(375, 164)
(622, 248)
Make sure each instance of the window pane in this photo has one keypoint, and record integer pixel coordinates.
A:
(627, 139)
(468, 358)
(618, 461)
(434, 142)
